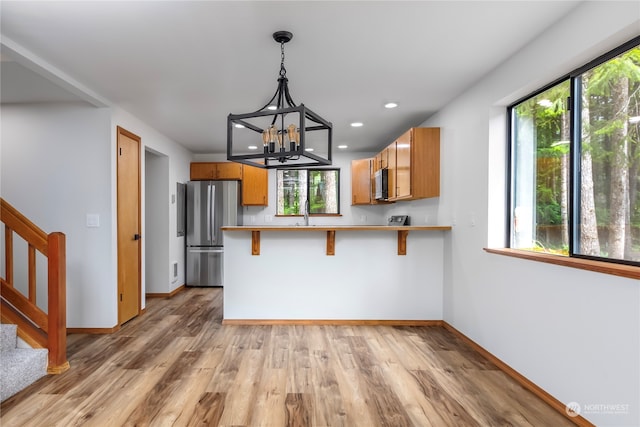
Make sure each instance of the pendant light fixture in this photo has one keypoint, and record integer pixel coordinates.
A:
(291, 135)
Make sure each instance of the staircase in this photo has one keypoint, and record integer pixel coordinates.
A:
(19, 367)
(44, 330)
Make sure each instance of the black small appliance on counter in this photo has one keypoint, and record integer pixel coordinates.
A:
(397, 220)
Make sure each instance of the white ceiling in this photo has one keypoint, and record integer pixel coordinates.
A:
(183, 66)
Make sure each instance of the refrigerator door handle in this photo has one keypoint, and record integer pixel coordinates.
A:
(206, 251)
(212, 217)
(208, 218)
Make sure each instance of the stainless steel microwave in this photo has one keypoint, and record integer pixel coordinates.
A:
(381, 184)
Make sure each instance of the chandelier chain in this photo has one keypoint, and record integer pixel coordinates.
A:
(283, 71)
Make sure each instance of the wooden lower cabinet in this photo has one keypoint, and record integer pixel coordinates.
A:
(255, 186)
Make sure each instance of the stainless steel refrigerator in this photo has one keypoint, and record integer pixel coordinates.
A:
(210, 205)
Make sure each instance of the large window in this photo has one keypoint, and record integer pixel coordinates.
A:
(320, 186)
(575, 162)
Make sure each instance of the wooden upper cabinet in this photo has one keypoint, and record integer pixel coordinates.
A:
(403, 166)
(255, 186)
(381, 160)
(229, 170)
(392, 167)
(418, 164)
(202, 171)
(413, 169)
(413, 165)
(361, 182)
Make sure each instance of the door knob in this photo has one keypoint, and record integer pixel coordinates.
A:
(136, 236)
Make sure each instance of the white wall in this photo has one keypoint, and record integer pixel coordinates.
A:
(265, 215)
(56, 170)
(574, 333)
(58, 165)
(156, 222)
(179, 160)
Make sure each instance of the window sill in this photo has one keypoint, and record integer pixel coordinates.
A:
(621, 270)
(310, 215)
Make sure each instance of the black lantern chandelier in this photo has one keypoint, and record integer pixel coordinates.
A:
(292, 135)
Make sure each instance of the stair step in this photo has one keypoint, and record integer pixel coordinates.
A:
(20, 368)
(8, 336)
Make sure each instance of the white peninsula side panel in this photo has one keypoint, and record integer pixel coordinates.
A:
(294, 279)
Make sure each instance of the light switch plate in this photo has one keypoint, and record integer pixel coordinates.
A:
(93, 220)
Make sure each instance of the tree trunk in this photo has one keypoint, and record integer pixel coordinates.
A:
(589, 243)
(634, 172)
(564, 183)
(619, 184)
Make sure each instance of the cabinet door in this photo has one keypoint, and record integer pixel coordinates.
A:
(228, 170)
(382, 159)
(392, 167)
(255, 186)
(361, 181)
(202, 171)
(425, 163)
(403, 165)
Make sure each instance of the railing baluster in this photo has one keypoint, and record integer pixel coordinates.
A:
(8, 254)
(32, 274)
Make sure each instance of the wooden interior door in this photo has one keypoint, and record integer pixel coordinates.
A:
(129, 239)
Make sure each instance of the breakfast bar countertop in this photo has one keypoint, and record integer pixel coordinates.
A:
(402, 230)
(336, 227)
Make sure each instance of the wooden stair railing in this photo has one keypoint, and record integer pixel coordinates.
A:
(39, 329)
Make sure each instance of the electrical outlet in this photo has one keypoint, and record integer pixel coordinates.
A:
(268, 218)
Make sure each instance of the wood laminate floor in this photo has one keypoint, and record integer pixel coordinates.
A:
(176, 365)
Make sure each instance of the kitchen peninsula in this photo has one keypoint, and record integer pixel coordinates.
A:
(333, 273)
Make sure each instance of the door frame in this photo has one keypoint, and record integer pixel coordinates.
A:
(131, 135)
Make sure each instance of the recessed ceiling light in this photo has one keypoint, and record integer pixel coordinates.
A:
(308, 149)
(342, 147)
(239, 126)
(357, 124)
(272, 107)
(252, 147)
(390, 105)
